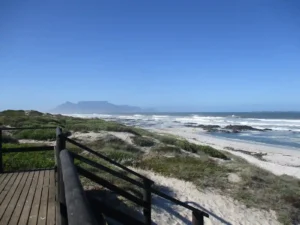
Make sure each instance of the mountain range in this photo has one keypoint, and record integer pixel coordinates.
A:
(86, 107)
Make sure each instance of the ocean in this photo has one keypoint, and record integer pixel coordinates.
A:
(285, 125)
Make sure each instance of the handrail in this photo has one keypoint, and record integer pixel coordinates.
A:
(178, 202)
(110, 186)
(78, 208)
(106, 169)
(28, 149)
(106, 158)
(137, 183)
(26, 128)
(132, 181)
(73, 204)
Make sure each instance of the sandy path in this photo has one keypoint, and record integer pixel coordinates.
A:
(222, 210)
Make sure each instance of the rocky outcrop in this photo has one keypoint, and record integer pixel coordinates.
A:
(240, 128)
(227, 129)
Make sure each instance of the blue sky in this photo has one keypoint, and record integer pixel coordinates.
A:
(179, 55)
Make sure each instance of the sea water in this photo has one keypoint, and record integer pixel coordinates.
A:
(285, 126)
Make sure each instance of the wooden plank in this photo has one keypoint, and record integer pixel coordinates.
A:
(19, 207)
(57, 211)
(2, 177)
(4, 181)
(14, 199)
(29, 199)
(36, 201)
(51, 201)
(42, 216)
(10, 194)
(8, 186)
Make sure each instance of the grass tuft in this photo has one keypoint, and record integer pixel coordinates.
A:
(143, 141)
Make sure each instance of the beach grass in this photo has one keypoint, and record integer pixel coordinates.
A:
(27, 160)
(143, 141)
(256, 188)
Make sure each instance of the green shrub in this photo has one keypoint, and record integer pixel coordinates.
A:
(191, 147)
(39, 134)
(114, 143)
(27, 160)
(9, 139)
(207, 173)
(143, 141)
(120, 156)
(167, 149)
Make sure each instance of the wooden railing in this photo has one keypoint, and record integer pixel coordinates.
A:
(146, 185)
(74, 206)
(21, 149)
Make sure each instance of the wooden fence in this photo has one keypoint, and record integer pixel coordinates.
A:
(75, 207)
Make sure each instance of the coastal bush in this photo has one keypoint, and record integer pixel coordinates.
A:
(9, 139)
(27, 160)
(264, 190)
(206, 173)
(191, 147)
(257, 188)
(39, 134)
(112, 142)
(166, 149)
(143, 141)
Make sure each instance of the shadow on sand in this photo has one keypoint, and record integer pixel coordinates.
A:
(159, 206)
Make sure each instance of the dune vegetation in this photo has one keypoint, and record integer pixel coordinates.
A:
(204, 166)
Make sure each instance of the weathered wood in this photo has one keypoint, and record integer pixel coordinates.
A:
(20, 204)
(13, 201)
(78, 208)
(36, 201)
(60, 145)
(51, 201)
(29, 199)
(110, 186)
(147, 200)
(26, 128)
(42, 216)
(5, 178)
(108, 170)
(105, 158)
(1, 159)
(197, 218)
(28, 149)
(110, 211)
(10, 194)
(176, 201)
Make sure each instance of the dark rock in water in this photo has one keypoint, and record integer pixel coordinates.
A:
(235, 131)
(204, 127)
(225, 131)
(241, 128)
(190, 125)
(267, 129)
(211, 130)
(208, 127)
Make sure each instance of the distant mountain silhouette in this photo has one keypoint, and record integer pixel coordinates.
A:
(94, 107)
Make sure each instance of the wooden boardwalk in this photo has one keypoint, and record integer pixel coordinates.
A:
(28, 198)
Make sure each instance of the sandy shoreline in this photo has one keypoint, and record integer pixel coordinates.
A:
(277, 160)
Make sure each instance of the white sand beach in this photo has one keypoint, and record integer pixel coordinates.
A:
(276, 159)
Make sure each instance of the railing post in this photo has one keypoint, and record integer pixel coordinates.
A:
(147, 199)
(1, 160)
(197, 218)
(60, 145)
